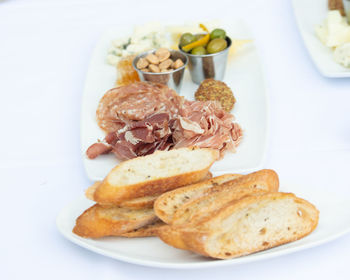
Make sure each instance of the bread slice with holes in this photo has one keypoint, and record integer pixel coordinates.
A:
(99, 221)
(167, 204)
(155, 174)
(265, 180)
(252, 224)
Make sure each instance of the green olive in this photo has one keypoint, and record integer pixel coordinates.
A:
(216, 45)
(199, 50)
(187, 38)
(217, 33)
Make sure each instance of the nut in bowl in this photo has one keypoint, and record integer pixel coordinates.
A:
(161, 66)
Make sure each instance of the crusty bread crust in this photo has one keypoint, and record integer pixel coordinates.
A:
(199, 239)
(199, 209)
(90, 191)
(265, 179)
(107, 193)
(218, 196)
(145, 202)
(97, 221)
(167, 204)
(145, 231)
(172, 236)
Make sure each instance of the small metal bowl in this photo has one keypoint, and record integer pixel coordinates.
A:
(208, 65)
(172, 79)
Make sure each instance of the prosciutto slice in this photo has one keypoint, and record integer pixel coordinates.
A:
(138, 138)
(206, 125)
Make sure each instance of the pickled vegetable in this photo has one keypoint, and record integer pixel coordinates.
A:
(199, 50)
(187, 38)
(217, 33)
(201, 42)
(216, 45)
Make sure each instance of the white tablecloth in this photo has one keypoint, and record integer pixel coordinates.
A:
(45, 47)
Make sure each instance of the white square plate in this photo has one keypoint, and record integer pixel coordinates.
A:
(308, 14)
(151, 251)
(243, 75)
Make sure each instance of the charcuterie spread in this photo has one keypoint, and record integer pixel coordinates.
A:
(164, 145)
(144, 117)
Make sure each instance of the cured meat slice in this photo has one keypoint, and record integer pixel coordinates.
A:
(97, 149)
(135, 102)
(206, 125)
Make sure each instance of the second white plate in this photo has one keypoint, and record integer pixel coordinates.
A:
(308, 14)
(243, 75)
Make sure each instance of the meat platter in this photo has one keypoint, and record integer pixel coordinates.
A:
(243, 74)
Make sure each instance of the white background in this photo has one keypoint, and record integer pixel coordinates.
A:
(45, 47)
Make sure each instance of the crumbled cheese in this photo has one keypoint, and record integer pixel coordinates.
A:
(342, 55)
(335, 31)
(144, 38)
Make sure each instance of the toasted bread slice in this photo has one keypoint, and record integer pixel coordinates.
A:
(136, 203)
(145, 231)
(90, 191)
(147, 201)
(167, 204)
(252, 224)
(172, 236)
(140, 202)
(99, 221)
(205, 206)
(155, 174)
(217, 197)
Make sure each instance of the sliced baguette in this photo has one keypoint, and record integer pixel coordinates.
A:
(155, 174)
(99, 221)
(199, 209)
(172, 236)
(218, 196)
(90, 191)
(145, 231)
(140, 202)
(252, 224)
(167, 204)
(136, 203)
(147, 201)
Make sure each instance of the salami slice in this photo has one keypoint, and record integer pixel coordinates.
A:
(135, 102)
